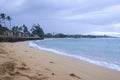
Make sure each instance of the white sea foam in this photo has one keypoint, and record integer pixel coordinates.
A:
(100, 63)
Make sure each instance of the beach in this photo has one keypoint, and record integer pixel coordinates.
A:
(18, 61)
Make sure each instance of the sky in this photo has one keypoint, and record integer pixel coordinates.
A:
(97, 17)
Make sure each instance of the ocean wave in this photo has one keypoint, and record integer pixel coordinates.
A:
(96, 62)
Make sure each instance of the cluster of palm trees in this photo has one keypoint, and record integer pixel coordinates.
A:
(3, 18)
(21, 31)
(16, 31)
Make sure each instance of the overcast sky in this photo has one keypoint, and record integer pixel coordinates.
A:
(66, 16)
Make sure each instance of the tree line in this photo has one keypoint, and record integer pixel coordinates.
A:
(19, 31)
(61, 35)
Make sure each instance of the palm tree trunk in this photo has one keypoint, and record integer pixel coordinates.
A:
(10, 25)
(4, 23)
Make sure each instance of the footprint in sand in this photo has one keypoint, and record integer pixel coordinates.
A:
(53, 74)
(51, 62)
(73, 75)
(47, 69)
(25, 51)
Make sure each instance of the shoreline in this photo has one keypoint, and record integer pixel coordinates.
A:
(79, 58)
(55, 67)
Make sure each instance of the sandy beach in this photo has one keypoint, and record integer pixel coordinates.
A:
(18, 61)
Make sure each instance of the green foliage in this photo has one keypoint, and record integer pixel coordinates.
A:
(19, 32)
(60, 35)
(20, 29)
(25, 29)
(15, 30)
(37, 31)
(3, 17)
(9, 19)
(48, 35)
(3, 29)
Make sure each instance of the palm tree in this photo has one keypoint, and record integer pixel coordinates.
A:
(3, 18)
(9, 19)
(20, 29)
(0, 18)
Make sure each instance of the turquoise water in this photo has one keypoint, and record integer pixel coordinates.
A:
(100, 51)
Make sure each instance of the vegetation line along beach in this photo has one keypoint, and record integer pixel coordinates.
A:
(15, 33)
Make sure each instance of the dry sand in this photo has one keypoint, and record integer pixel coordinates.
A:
(21, 62)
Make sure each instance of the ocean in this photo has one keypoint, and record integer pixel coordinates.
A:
(103, 52)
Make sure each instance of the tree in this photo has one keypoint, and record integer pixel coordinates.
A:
(9, 19)
(15, 30)
(37, 31)
(2, 15)
(60, 35)
(0, 19)
(25, 29)
(3, 29)
(20, 29)
(48, 35)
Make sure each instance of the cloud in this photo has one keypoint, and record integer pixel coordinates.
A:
(107, 33)
(117, 25)
(68, 16)
(11, 6)
(106, 15)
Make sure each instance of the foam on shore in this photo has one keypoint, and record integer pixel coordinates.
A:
(99, 63)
